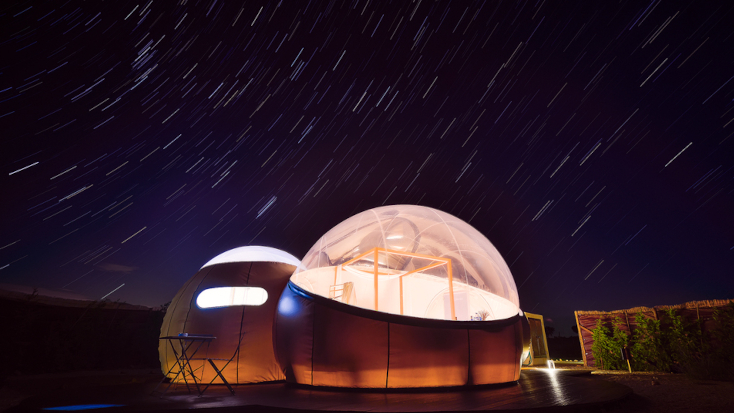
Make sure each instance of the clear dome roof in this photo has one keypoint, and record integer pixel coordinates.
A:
(417, 246)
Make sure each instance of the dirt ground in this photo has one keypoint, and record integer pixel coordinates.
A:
(666, 393)
(15, 389)
(655, 393)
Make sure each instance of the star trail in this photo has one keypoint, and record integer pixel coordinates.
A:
(591, 142)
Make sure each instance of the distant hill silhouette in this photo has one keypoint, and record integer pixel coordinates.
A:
(46, 334)
(56, 298)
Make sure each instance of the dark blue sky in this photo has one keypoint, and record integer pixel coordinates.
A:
(591, 142)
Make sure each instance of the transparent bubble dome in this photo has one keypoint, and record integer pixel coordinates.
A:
(411, 260)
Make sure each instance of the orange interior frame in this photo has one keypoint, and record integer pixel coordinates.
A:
(437, 263)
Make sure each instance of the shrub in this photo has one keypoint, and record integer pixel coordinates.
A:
(715, 361)
(684, 340)
(648, 351)
(723, 335)
(608, 345)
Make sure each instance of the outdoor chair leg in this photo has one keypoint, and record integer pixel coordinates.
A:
(178, 363)
(221, 376)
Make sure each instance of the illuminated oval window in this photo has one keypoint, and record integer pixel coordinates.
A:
(230, 296)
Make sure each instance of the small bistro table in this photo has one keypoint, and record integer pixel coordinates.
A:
(190, 345)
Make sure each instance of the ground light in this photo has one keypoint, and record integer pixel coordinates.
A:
(78, 407)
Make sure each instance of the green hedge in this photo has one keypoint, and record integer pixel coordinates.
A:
(669, 344)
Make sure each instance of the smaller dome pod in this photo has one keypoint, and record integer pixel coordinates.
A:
(400, 296)
(232, 297)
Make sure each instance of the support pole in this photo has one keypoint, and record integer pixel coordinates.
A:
(581, 338)
(401, 295)
(451, 291)
(376, 268)
(700, 324)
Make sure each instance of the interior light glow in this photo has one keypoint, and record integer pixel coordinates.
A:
(253, 254)
(413, 261)
(231, 296)
(287, 306)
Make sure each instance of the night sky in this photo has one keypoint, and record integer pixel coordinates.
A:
(591, 142)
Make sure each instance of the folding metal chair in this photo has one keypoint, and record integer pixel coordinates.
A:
(184, 359)
(219, 371)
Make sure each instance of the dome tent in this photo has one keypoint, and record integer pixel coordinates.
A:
(393, 297)
(233, 297)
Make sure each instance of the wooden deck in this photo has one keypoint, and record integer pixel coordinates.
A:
(537, 390)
